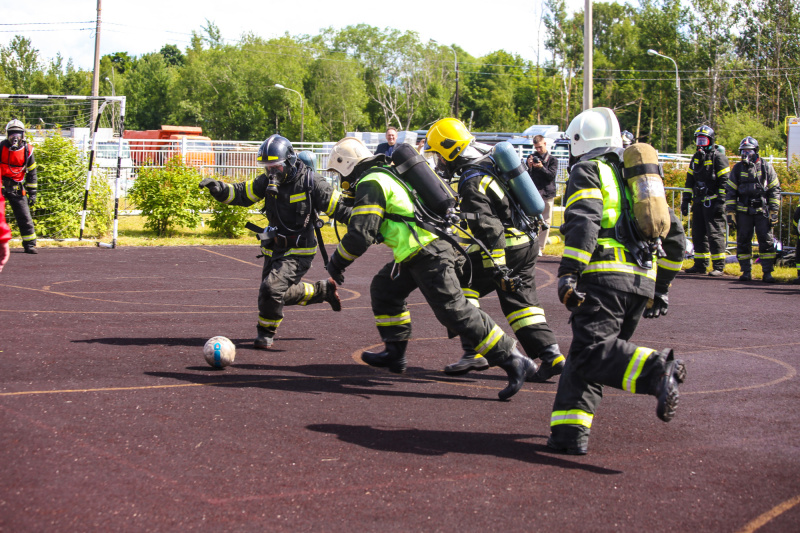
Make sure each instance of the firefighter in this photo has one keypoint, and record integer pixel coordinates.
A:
(752, 203)
(706, 177)
(510, 272)
(5, 234)
(293, 194)
(383, 212)
(601, 283)
(18, 170)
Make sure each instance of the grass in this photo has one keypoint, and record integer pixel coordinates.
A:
(132, 233)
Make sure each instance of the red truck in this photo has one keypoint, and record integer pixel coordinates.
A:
(156, 147)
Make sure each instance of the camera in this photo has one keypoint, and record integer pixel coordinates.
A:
(536, 158)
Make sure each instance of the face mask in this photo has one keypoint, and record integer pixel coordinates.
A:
(702, 141)
(749, 156)
(15, 140)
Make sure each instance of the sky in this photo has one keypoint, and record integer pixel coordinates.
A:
(142, 26)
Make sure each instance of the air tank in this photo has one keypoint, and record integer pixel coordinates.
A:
(516, 176)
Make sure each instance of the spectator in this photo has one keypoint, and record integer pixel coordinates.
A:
(543, 168)
(388, 147)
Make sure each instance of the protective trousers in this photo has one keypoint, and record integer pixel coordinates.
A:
(708, 231)
(601, 354)
(745, 226)
(281, 285)
(522, 309)
(12, 190)
(432, 271)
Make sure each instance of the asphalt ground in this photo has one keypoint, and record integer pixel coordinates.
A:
(111, 420)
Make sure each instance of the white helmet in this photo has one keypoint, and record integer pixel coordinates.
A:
(346, 154)
(15, 125)
(594, 128)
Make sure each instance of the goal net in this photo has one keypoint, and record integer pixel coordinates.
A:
(81, 161)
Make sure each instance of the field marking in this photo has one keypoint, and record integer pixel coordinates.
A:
(775, 512)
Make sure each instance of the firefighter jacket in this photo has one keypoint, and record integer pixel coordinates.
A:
(291, 211)
(5, 230)
(593, 204)
(383, 212)
(706, 176)
(753, 188)
(487, 210)
(18, 165)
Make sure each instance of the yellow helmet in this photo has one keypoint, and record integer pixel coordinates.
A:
(448, 137)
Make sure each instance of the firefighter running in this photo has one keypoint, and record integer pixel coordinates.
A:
(292, 195)
(510, 271)
(752, 204)
(18, 170)
(383, 212)
(607, 291)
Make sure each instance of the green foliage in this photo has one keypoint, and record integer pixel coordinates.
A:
(168, 197)
(61, 185)
(735, 126)
(227, 220)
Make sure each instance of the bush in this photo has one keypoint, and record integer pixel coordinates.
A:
(228, 220)
(61, 173)
(168, 197)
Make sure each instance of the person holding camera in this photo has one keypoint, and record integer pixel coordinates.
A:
(543, 168)
(752, 202)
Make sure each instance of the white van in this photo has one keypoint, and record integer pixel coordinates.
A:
(105, 161)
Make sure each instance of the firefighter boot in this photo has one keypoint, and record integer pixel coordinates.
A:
(519, 369)
(698, 268)
(746, 276)
(393, 357)
(332, 295)
(717, 268)
(469, 361)
(666, 390)
(262, 342)
(552, 364)
(30, 248)
(571, 440)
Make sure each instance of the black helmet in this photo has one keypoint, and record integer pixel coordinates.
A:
(748, 149)
(277, 156)
(704, 138)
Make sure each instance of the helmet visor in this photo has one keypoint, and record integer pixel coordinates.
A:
(702, 141)
(15, 139)
(275, 169)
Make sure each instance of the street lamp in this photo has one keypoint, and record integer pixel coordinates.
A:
(302, 109)
(678, 87)
(112, 86)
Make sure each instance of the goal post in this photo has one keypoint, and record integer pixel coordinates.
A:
(74, 193)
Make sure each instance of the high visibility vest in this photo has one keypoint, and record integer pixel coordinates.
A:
(399, 235)
(12, 162)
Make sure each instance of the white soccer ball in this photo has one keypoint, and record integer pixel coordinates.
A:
(219, 351)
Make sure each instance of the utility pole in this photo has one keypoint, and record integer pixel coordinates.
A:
(587, 55)
(96, 76)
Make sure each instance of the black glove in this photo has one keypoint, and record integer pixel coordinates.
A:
(336, 273)
(32, 198)
(567, 292)
(685, 209)
(504, 280)
(731, 218)
(773, 219)
(656, 306)
(216, 188)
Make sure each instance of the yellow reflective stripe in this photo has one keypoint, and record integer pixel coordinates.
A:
(248, 190)
(31, 186)
(489, 342)
(702, 255)
(516, 240)
(488, 182)
(31, 237)
(309, 293)
(299, 197)
(617, 266)
(231, 194)
(345, 254)
(732, 185)
(266, 252)
(718, 256)
(368, 210)
(498, 258)
(32, 167)
(470, 293)
(723, 171)
(744, 256)
(574, 417)
(709, 163)
(302, 251)
(396, 320)
(670, 265)
(773, 183)
(582, 256)
(558, 359)
(332, 203)
(269, 323)
(635, 366)
(526, 317)
(585, 194)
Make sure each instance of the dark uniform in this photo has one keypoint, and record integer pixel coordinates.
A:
(421, 261)
(287, 257)
(617, 292)
(796, 231)
(753, 193)
(18, 170)
(488, 213)
(706, 179)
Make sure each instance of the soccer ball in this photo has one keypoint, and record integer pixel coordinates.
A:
(219, 352)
